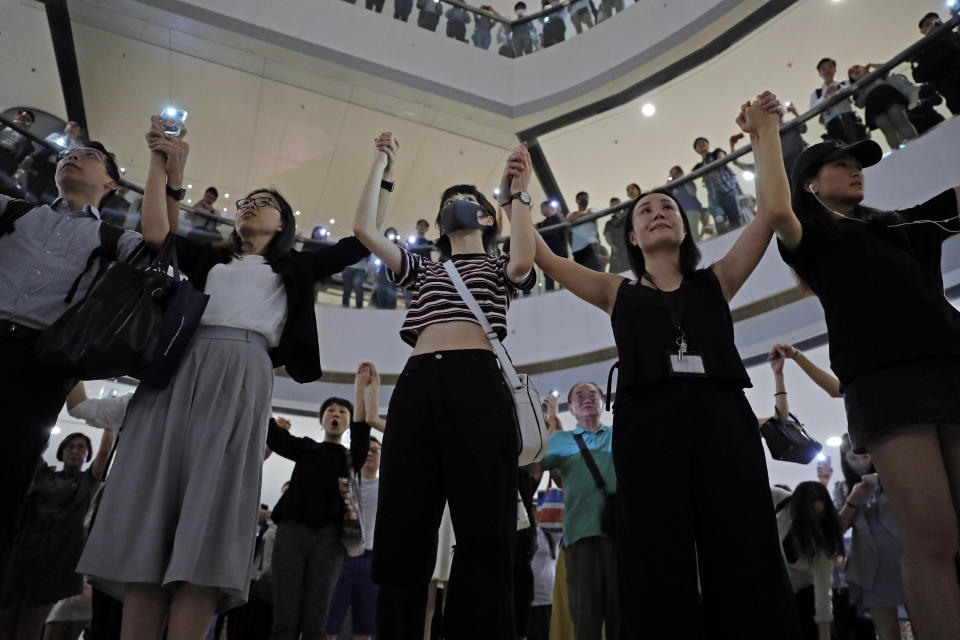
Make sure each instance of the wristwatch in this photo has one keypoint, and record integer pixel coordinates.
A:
(387, 184)
(176, 194)
(522, 196)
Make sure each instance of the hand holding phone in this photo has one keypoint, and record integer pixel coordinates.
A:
(172, 120)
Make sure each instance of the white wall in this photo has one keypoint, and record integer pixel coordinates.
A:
(333, 30)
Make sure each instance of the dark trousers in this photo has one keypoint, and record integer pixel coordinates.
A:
(402, 9)
(376, 5)
(31, 396)
(457, 30)
(452, 436)
(353, 280)
(306, 564)
(357, 592)
(592, 587)
(588, 258)
(846, 127)
(717, 518)
(539, 627)
(106, 618)
(523, 581)
(252, 620)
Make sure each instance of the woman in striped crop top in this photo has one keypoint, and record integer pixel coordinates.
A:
(452, 434)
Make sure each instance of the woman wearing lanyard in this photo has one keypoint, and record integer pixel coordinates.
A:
(681, 410)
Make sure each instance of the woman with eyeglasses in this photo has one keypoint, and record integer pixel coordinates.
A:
(451, 416)
(176, 521)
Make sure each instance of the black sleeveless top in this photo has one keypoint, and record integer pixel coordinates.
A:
(645, 332)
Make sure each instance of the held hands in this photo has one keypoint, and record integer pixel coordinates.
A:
(778, 355)
(516, 175)
(788, 350)
(388, 146)
(365, 374)
(761, 115)
(168, 152)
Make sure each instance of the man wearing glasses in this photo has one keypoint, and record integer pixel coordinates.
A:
(43, 254)
(14, 146)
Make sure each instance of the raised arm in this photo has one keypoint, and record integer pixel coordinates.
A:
(100, 461)
(367, 220)
(760, 119)
(777, 358)
(160, 214)
(599, 289)
(372, 401)
(823, 379)
(522, 247)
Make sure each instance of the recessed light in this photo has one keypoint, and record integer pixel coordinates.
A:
(834, 441)
(648, 109)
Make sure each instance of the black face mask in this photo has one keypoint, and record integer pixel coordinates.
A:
(583, 201)
(460, 215)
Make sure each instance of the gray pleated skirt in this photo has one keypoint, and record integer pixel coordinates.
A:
(181, 500)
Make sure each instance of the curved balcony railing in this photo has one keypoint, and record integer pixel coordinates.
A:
(603, 227)
(542, 26)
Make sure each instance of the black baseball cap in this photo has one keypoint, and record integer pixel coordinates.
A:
(809, 162)
(932, 14)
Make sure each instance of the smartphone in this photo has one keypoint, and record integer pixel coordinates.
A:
(871, 478)
(172, 120)
(788, 104)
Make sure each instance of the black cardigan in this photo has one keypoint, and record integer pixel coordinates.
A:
(299, 349)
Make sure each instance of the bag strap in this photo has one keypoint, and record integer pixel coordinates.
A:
(506, 365)
(591, 463)
(107, 252)
(15, 209)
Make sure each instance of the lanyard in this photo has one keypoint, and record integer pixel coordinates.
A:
(676, 313)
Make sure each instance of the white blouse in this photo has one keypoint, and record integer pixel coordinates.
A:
(245, 293)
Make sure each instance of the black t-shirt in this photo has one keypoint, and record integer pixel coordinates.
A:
(881, 287)
(313, 496)
(645, 333)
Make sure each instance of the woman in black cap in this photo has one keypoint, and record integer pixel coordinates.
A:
(894, 345)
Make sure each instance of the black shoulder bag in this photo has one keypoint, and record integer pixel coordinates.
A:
(133, 321)
(787, 440)
(608, 521)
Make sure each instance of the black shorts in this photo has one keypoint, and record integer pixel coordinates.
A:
(923, 391)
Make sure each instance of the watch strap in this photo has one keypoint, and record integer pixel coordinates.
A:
(176, 194)
(386, 184)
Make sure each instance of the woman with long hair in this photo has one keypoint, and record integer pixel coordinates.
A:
(872, 570)
(812, 541)
(894, 345)
(451, 416)
(680, 401)
(174, 531)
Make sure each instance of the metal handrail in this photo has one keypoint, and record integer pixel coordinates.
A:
(837, 98)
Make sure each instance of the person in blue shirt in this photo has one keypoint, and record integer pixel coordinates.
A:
(591, 571)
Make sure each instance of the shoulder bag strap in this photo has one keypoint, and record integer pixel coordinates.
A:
(591, 463)
(506, 365)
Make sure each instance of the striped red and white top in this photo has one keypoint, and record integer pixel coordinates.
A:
(435, 299)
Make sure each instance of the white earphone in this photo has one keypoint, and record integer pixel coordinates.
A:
(901, 224)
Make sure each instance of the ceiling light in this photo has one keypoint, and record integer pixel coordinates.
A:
(377, 262)
(224, 208)
(226, 195)
(834, 441)
(123, 170)
(748, 175)
(189, 201)
(332, 221)
(55, 430)
(391, 236)
(496, 191)
(189, 186)
(648, 109)
(411, 239)
(554, 204)
(297, 212)
(951, 4)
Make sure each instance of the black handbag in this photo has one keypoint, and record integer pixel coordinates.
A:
(787, 440)
(608, 519)
(133, 322)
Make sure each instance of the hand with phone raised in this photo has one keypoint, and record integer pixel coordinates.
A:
(169, 151)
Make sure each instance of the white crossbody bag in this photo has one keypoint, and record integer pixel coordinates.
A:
(531, 427)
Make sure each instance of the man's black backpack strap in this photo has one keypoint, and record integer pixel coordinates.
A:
(591, 463)
(107, 252)
(15, 210)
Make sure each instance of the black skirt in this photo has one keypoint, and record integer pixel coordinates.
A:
(917, 392)
(881, 99)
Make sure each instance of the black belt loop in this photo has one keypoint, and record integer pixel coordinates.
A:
(616, 365)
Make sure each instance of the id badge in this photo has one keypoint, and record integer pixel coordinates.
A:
(690, 365)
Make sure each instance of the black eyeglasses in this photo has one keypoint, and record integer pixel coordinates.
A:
(257, 202)
(82, 152)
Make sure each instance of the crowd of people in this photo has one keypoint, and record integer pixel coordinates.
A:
(163, 535)
(528, 30)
